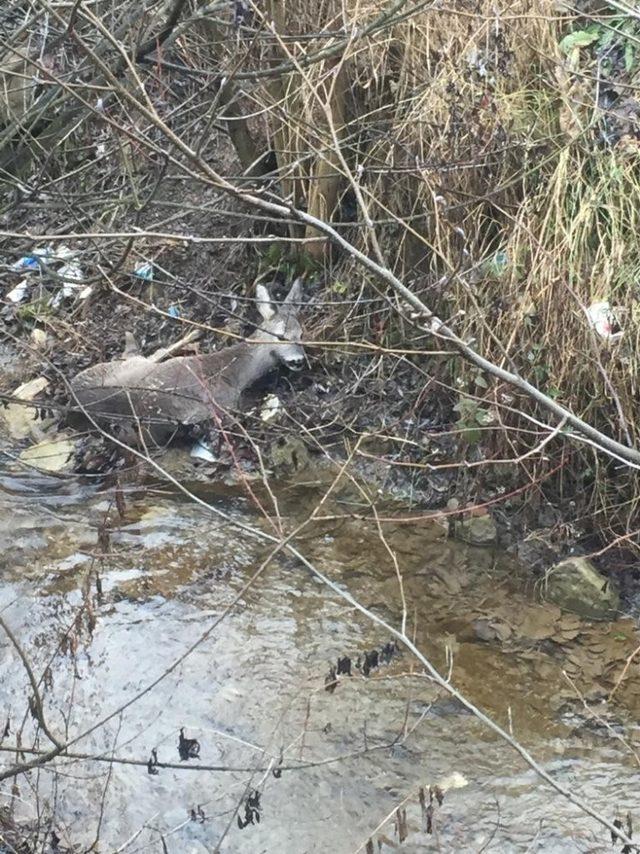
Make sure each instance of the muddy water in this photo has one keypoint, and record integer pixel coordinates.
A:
(108, 626)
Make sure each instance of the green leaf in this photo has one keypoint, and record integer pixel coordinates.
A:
(484, 417)
(540, 373)
(629, 56)
(471, 435)
(466, 408)
(577, 39)
(273, 254)
(606, 38)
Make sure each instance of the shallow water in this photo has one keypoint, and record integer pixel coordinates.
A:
(253, 690)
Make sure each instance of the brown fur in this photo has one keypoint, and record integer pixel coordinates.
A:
(157, 398)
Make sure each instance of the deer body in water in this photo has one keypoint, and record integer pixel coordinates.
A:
(156, 398)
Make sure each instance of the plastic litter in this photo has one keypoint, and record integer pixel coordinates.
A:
(18, 293)
(201, 451)
(39, 259)
(173, 311)
(498, 264)
(604, 321)
(27, 262)
(60, 253)
(44, 253)
(270, 408)
(72, 272)
(145, 271)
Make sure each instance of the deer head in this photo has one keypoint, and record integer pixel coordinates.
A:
(281, 326)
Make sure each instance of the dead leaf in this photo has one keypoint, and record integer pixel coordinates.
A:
(567, 635)
(502, 630)
(539, 622)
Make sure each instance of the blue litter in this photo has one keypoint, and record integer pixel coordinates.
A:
(173, 311)
(29, 262)
(44, 253)
(145, 271)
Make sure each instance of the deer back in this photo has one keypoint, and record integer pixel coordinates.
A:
(182, 390)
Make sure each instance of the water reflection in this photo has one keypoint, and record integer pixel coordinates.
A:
(253, 691)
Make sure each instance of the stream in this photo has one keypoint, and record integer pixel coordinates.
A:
(107, 605)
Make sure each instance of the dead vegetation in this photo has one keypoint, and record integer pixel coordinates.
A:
(486, 154)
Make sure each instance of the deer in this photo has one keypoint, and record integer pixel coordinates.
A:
(159, 399)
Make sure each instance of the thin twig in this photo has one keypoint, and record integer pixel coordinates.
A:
(37, 699)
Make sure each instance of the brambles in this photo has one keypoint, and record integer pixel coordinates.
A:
(188, 748)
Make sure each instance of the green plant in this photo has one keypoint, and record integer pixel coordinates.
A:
(471, 417)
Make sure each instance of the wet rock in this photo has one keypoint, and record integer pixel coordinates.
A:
(477, 530)
(537, 551)
(289, 453)
(20, 420)
(576, 585)
(491, 630)
(56, 455)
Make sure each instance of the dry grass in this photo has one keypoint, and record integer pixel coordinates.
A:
(500, 180)
(472, 132)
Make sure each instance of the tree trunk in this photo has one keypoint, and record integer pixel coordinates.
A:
(327, 175)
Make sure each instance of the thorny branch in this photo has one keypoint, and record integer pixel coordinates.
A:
(429, 322)
(425, 316)
(37, 699)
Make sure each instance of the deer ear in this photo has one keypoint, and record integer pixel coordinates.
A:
(264, 303)
(295, 295)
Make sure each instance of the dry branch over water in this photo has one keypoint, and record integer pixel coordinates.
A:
(457, 186)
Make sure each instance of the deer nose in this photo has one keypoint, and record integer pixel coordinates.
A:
(296, 363)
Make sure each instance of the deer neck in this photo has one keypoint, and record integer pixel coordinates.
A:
(240, 365)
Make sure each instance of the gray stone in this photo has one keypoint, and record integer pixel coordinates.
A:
(576, 585)
(477, 530)
(290, 454)
(537, 551)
